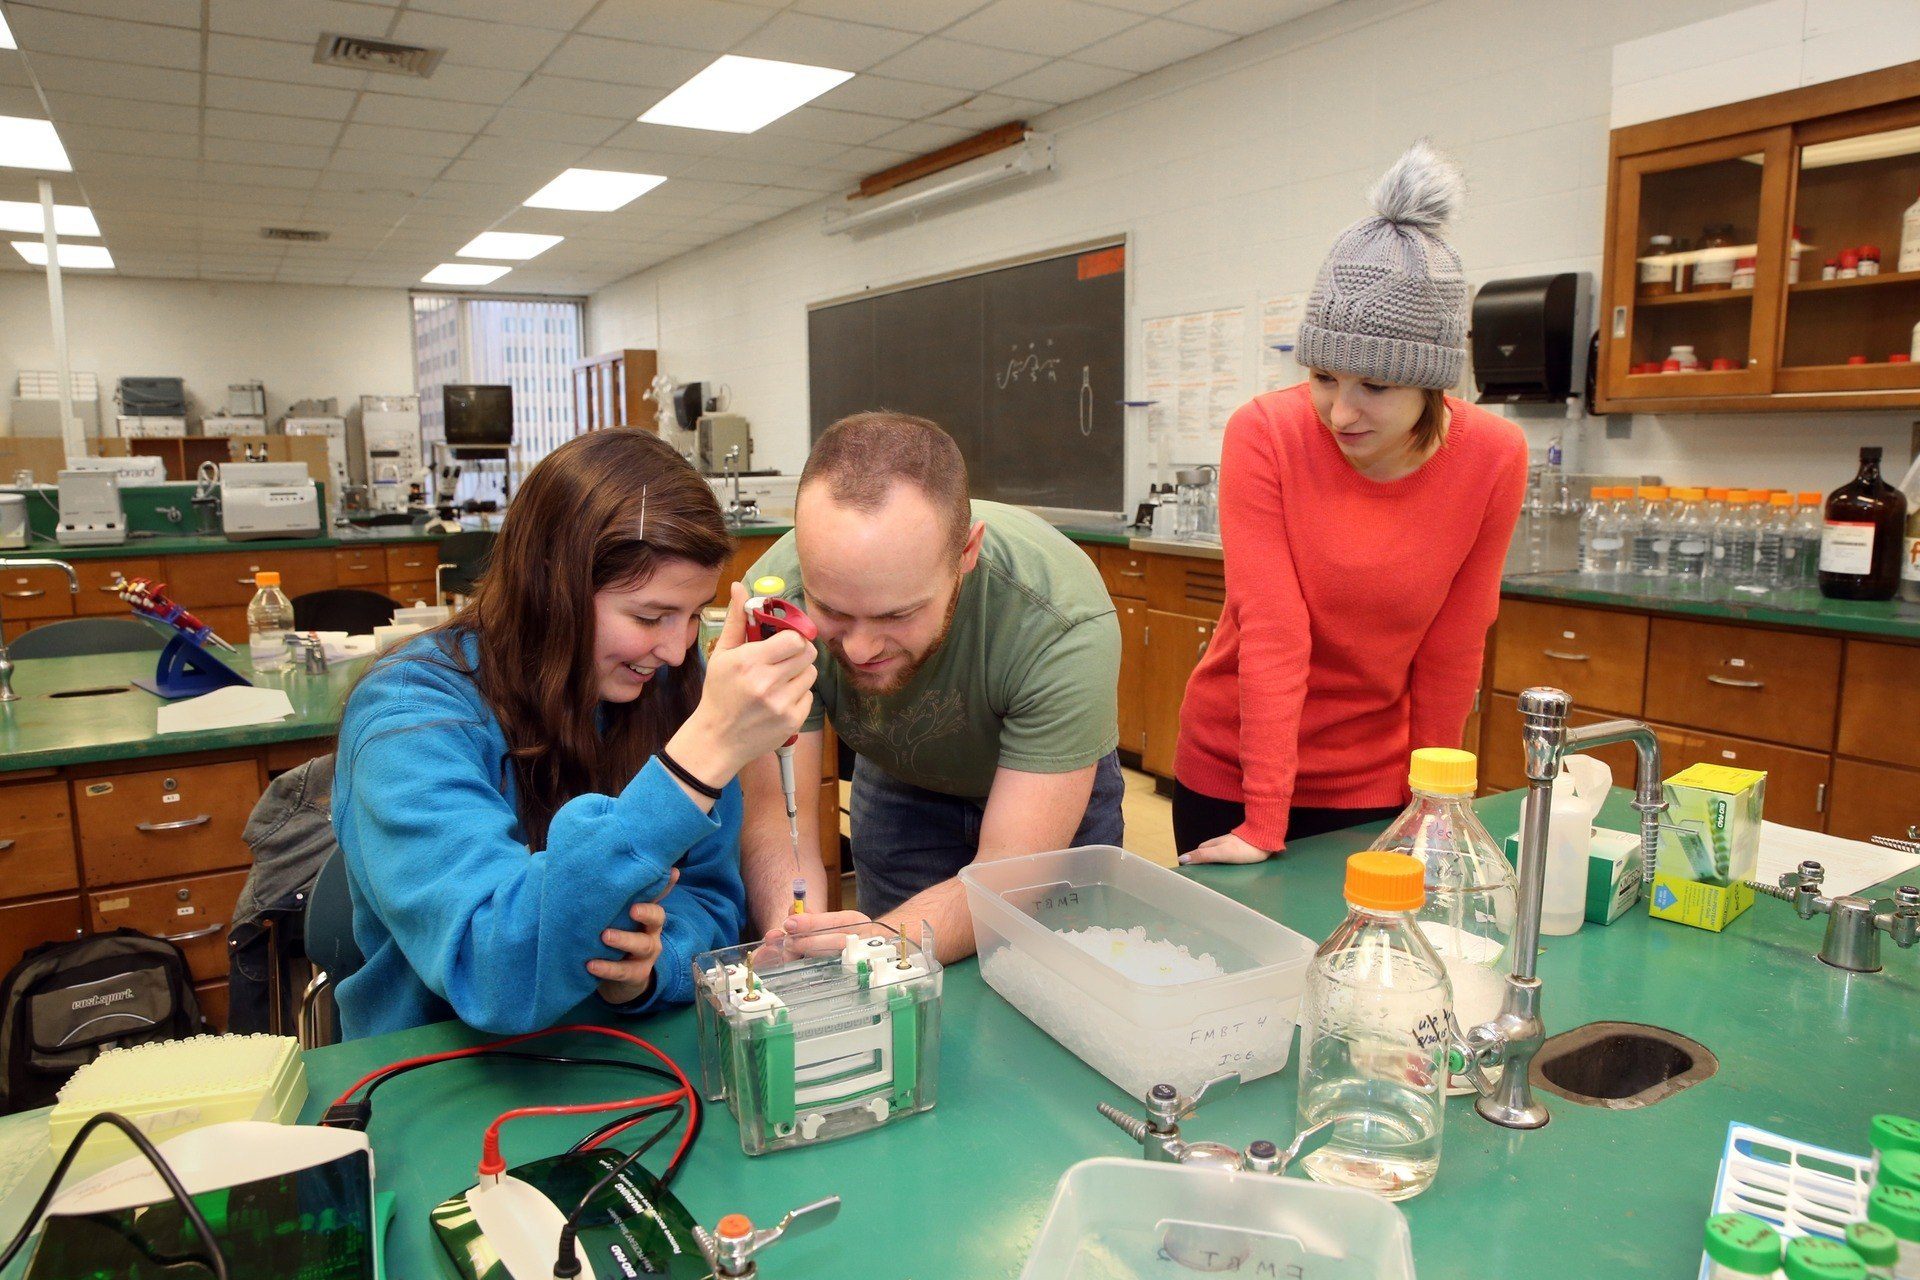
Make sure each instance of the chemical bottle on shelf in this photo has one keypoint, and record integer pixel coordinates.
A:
(1804, 546)
(1469, 912)
(1373, 1036)
(1716, 505)
(1646, 537)
(1733, 540)
(1770, 544)
(1863, 535)
(1590, 513)
(1607, 548)
(1910, 238)
(269, 619)
(1691, 540)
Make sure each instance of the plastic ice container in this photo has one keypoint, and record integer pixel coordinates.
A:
(1121, 1219)
(1137, 1034)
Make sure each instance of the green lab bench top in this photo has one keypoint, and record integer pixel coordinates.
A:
(177, 544)
(63, 718)
(1804, 1049)
(1809, 610)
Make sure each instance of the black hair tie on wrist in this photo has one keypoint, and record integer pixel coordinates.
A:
(680, 771)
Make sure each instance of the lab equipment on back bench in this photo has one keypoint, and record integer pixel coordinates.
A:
(90, 511)
(333, 429)
(268, 500)
(718, 434)
(390, 431)
(768, 614)
(816, 1036)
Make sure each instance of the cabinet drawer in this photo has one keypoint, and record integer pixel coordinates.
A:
(1773, 685)
(202, 582)
(165, 822)
(193, 912)
(1874, 800)
(1796, 780)
(1599, 658)
(1880, 703)
(25, 925)
(360, 567)
(1124, 572)
(1133, 664)
(412, 561)
(35, 593)
(36, 840)
(229, 622)
(407, 594)
(1186, 584)
(99, 590)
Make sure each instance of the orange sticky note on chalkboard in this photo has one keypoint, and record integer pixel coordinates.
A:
(1102, 262)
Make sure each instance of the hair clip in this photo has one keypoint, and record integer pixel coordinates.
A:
(643, 513)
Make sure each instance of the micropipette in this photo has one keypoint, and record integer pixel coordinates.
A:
(768, 613)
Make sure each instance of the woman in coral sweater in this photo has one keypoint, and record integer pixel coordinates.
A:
(1365, 515)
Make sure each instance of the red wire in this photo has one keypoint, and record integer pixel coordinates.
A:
(490, 1159)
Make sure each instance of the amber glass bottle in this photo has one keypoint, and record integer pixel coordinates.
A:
(1861, 542)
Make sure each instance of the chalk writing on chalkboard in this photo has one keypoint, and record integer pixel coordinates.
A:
(1029, 366)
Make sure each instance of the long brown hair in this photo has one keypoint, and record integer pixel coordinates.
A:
(574, 529)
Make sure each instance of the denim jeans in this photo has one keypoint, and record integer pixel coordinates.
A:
(906, 838)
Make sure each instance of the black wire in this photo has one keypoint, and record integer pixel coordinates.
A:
(568, 1263)
(672, 1170)
(160, 1166)
(518, 1056)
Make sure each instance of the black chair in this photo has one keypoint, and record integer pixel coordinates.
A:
(85, 637)
(331, 950)
(464, 558)
(345, 609)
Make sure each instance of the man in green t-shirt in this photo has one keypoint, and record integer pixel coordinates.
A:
(970, 657)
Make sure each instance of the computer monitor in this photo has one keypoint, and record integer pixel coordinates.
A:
(478, 414)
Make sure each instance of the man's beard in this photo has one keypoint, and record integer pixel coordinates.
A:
(893, 684)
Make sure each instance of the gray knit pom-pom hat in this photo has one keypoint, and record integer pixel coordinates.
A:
(1390, 303)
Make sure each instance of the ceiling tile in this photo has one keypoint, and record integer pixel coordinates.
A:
(1139, 6)
(877, 95)
(963, 66)
(391, 188)
(824, 42)
(472, 43)
(489, 85)
(815, 180)
(1051, 27)
(821, 125)
(712, 25)
(558, 15)
(777, 199)
(587, 131)
(923, 137)
(355, 160)
(301, 21)
(780, 150)
(748, 172)
(310, 101)
(525, 178)
(13, 68)
(281, 61)
(260, 175)
(253, 151)
(421, 113)
(20, 100)
(585, 97)
(667, 138)
(87, 140)
(87, 36)
(123, 113)
(266, 128)
(172, 13)
(624, 62)
(1063, 81)
(518, 153)
(623, 160)
(1152, 45)
(413, 142)
(1244, 17)
(920, 15)
(988, 111)
(117, 79)
(864, 160)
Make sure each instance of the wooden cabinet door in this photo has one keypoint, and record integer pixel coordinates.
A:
(360, 567)
(1796, 780)
(225, 578)
(1133, 685)
(1880, 703)
(1124, 572)
(1873, 800)
(25, 925)
(35, 593)
(36, 840)
(1174, 645)
(746, 552)
(412, 561)
(1192, 585)
(1778, 686)
(100, 582)
(195, 913)
(1598, 656)
(165, 822)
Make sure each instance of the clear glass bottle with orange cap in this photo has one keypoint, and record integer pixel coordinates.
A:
(1469, 912)
(1373, 1036)
(269, 619)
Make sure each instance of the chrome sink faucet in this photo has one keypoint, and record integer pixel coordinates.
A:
(73, 588)
(1512, 1038)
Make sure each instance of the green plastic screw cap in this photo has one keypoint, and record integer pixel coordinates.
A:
(1897, 1209)
(1817, 1258)
(1876, 1245)
(1900, 1169)
(1743, 1243)
(1893, 1133)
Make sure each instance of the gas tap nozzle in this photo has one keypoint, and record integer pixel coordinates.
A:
(767, 614)
(1159, 1132)
(730, 1248)
(1854, 924)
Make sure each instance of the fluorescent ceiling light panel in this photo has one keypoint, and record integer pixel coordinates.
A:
(464, 273)
(6, 34)
(519, 245)
(86, 256)
(31, 144)
(740, 95)
(593, 190)
(68, 219)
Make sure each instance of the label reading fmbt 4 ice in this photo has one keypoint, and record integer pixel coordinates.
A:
(1847, 547)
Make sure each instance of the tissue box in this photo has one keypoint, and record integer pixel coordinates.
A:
(1614, 874)
(1709, 846)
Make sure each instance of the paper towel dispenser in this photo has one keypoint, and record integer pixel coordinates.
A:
(1530, 338)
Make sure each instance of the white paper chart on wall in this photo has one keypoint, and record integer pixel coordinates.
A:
(1194, 380)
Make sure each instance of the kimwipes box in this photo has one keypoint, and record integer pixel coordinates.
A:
(1709, 845)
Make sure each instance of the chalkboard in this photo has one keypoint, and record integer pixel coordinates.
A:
(1024, 366)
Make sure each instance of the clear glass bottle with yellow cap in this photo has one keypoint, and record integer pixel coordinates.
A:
(1469, 912)
(1373, 1038)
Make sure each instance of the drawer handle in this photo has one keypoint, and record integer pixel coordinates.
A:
(1133, 573)
(5, 845)
(1730, 683)
(359, 566)
(175, 825)
(113, 588)
(26, 595)
(191, 934)
(1564, 656)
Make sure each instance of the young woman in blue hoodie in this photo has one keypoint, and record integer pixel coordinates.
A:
(536, 801)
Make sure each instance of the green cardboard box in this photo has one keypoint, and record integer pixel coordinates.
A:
(1709, 845)
(1614, 873)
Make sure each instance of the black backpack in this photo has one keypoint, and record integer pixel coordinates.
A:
(65, 1003)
